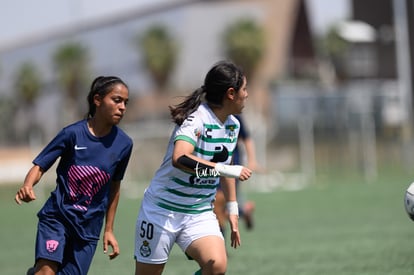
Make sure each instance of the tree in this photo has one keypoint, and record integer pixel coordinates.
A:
(334, 48)
(71, 64)
(27, 85)
(7, 111)
(159, 54)
(244, 44)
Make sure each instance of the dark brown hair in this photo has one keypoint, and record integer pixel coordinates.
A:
(102, 85)
(222, 76)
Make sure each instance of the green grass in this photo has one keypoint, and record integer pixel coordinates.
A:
(337, 225)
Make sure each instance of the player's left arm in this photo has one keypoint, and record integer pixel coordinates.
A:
(109, 236)
(228, 185)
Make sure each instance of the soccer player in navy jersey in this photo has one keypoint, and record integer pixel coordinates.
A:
(94, 154)
(246, 207)
(178, 204)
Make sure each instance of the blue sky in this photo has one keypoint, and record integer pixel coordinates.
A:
(324, 13)
(22, 18)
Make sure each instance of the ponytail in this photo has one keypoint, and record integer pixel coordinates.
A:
(181, 111)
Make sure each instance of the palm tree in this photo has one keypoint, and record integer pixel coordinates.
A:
(71, 64)
(244, 43)
(159, 54)
(334, 48)
(27, 84)
(7, 110)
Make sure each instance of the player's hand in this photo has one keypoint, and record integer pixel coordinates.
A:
(245, 174)
(25, 193)
(234, 231)
(110, 240)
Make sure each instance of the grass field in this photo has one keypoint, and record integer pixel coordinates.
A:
(338, 225)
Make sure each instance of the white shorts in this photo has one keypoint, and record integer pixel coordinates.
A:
(157, 229)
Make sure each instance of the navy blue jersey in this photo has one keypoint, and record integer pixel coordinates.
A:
(243, 134)
(87, 167)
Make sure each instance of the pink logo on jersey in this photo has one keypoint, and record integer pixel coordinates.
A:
(51, 245)
(84, 183)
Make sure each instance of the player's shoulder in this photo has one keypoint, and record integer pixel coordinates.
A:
(123, 135)
(233, 120)
(196, 118)
(75, 127)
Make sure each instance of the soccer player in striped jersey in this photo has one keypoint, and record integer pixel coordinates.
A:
(94, 154)
(178, 204)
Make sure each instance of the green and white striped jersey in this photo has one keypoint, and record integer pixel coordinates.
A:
(180, 191)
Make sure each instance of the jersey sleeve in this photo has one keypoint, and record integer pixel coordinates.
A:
(122, 165)
(190, 130)
(52, 151)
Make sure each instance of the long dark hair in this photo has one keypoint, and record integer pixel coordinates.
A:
(221, 77)
(102, 85)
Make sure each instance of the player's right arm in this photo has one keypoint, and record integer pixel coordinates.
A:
(26, 193)
(184, 144)
(183, 159)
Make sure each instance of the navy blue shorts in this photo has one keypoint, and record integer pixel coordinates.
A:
(57, 243)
